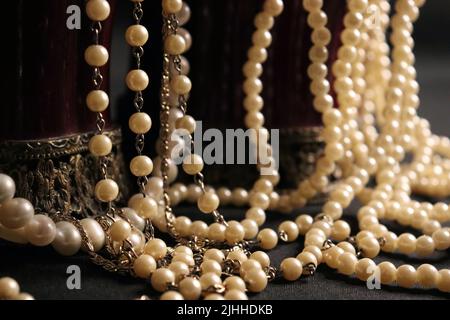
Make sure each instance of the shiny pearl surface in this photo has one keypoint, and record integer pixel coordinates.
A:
(94, 232)
(67, 240)
(7, 187)
(16, 213)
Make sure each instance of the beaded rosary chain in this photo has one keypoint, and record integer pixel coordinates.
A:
(367, 134)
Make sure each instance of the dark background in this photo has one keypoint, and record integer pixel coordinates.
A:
(42, 272)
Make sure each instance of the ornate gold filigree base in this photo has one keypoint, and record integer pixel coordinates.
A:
(59, 174)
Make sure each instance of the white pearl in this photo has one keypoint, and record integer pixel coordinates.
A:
(94, 232)
(7, 187)
(67, 240)
(41, 230)
(16, 213)
(9, 288)
(137, 221)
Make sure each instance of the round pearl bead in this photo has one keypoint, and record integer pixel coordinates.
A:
(199, 229)
(259, 200)
(137, 240)
(67, 240)
(208, 202)
(273, 7)
(209, 280)
(144, 266)
(340, 230)
(268, 239)
(182, 225)
(256, 214)
(365, 268)
(347, 247)
(261, 257)
(290, 229)
(186, 36)
(214, 254)
(190, 288)
(145, 207)
(96, 55)
(406, 276)
(16, 213)
(184, 249)
(154, 187)
(120, 230)
(248, 265)
(193, 164)
(304, 223)
(307, 259)
(174, 44)
(180, 269)
(444, 280)
(315, 251)
(238, 255)
(181, 84)
(291, 268)
(369, 246)
(141, 166)
(406, 243)
(97, 10)
(331, 256)
(441, 239)
(137, 80)
(347, 263)
(184, 14)
(9, 288)
(135, 220)
(136, 35)
(97, 100)
(388, 272)
(161, 278)
(234, 233)
(187, 123)
(424, 246)
(250, 228)
(235, 295)
(100, 145)
(185, 258)
(156, 248)
(106, 190)
(94, 232)
(211, 266)
(234, 283)
(216, 232)
(427, 276)
(256, 280)
(140, 123)
(7, 187)
(172, 6)
(171, 295)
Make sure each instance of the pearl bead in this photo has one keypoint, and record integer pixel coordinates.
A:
(144, 266)
(211, 266)
(209, 280)
(267, 238)
(137, 80)
(365, 268)
(235, 295)
(145, 207)
(199, 229)
(273, 7)
(100, 145)
(347, 263)
(234, 283)
(120, 230)
(427, 276)
(172, 6)
(174, 44)
(262, 38)
(291, 269)
(137, 240)
(214, 296)
(240, 196)
(388, 272)
(182, 225)
(24, 296)
(140, 123)
(41, 230)
(406, 243)
(9, 288)
(161, 278)
(141, 166)
(106, 190)
(16, 213)
(171, 295)
(187, 123)
(340, 230)
(190, 288)
(208, 202)
(290, 229)
(406, 276)
(256, 214)
(96, 55)
(304, 223)
(136, 35)
(424, 246)
(254, 119)
(307, 259)
(186, 36)
(7, 187)
(390, 244)
(216, 232)
(156, 248)
(234, 233)
(316, 251)
(444, 280)
(97, 100)
(256, 280)
(238, 255)
(259, 200)
(135, 220)
(347, 247)
(250, 228)
(67, 240)
(441, 239)
(97, 10)
(184, 14)
(369, 246)
(248, 265)
(181, 84)
(94, 232)
(331, 256)
(180, 269)
(193, 164)
(261, 257)
(214, 254)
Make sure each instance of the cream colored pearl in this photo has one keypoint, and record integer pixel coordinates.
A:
(141, 166)
(314, 240)
(324, 226)
(388, 272)
(180, 269)
(240, 196)
(390, 244)
(254, 119)
(106, 190)
(211, 266)
(444, 280)
(347, 263)
(235, 232)
(369, 246)
(94, 232)
(137, 240)
(238, 255)
(161, 278)
(97, 10)
(209, 280)
(256, 214)
(427, 276)
(140, 123)
(365, 268)
(252, 69)
(340, 230)
(216, 232)
(199, 229)
(261, 257)
(424, 246)
(259, 200)
(234, 283)
(406, 276)
(208, 202)
(248, 265)
(181, 84)
(214, 296)
(135, 220)
(187, 123)
(304, 223)
(250, 228)
(136, 35)
(9, 288)
(7, 187)
(406, 243)
(193, 164)
(273, 7)
(174, 44)
(441, 239)
(67, 240)
(256, 280)
(120, 230)
(190, 288)
(307, 259)
(257, 54)
(24, 296)
(268, 239)
(235, 295)
(172, 6)
(347, 247)
(262, 38)
(16, 213)
(182, 225)
(145, 207)
(291, 268)
(137, 80)
(41, 230)
(214, 254)
(96, 55)
(184, 249)
(144, 266)
(290, 229)
(156, 248)
(97, 100)
(100, 145)
(315, 251)
(331, 256)
(171, 295)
